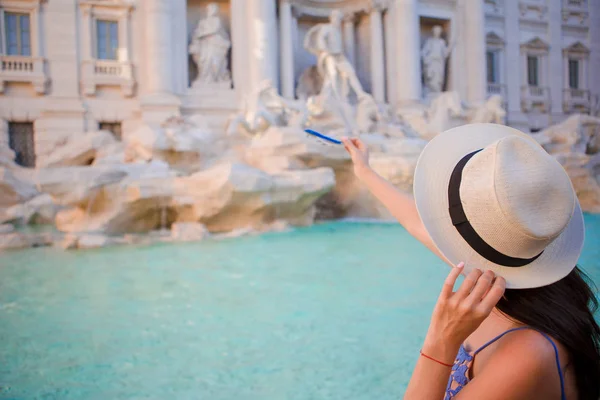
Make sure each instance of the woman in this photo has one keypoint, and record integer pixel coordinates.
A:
(492, 203)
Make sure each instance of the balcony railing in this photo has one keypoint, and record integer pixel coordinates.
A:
(107, 73)
(23, 69)
(110, 69)
(496, 88)
(535, 97)
(576, 100)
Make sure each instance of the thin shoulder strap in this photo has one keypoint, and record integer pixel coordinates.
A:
(494, 340)
(560, 374)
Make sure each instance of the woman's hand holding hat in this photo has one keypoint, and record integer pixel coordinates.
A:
(458, 314)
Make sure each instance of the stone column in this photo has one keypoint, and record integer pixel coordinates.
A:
(240, 42)
(515, 74)
(377, 55)
(262, 59)
(555, 62)
(594, 45)
(286, 48)
(88, 85)
(159, 101)
(474, 37)
(158, 48)
(349, 38)
(390, 62)
(124, 42)
(406, 51)
(62, 112)
(86, 32)
(36, 41)
(180, 47)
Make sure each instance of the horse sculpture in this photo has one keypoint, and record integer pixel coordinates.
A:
(492, 111)
(265, 108)
(446, 111)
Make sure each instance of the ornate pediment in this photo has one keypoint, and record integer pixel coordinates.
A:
(493, 40)
(576, 48)
(536, 44)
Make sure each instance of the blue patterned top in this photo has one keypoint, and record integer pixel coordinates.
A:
(459, 376)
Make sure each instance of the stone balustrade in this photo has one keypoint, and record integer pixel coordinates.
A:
(576, 100)
(496, 88)
(535, 97)
(107, 73)
(23, 69)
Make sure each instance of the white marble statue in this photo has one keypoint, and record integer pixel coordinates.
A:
(341, 91)
(492, 111)
(368, 115)
(309, 83)
(339, 77)
(434, 54)
(446, 111)
(265, 108)
(209, 47)
(575, 143)
(595, 107)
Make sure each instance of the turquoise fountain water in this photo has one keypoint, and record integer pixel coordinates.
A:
(335, 311)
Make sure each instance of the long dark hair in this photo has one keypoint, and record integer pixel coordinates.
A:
(565, 311)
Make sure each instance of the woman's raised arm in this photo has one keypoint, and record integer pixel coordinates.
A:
(400, 205)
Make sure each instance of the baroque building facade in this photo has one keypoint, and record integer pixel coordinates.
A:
(70, 66)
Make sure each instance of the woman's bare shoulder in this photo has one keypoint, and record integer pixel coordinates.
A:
(529, 347)
(522, 365)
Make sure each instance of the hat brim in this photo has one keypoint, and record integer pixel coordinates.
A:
(432, 175)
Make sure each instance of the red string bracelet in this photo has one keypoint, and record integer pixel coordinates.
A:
(437, 361)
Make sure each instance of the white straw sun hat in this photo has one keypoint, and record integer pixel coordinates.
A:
(490, 196)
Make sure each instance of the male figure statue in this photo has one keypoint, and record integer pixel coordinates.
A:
(325, 41)
(339, 77)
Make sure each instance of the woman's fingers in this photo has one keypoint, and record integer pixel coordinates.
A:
(359, 144)
(350, 147)
(493, 295)
(451, 280)
(481, 287)
(468, 284)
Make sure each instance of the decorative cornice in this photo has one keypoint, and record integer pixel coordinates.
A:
(129, 4)
(349, 17)
(379, 5)
(580, 16)
(22, 4)
(322, 8)
(526, 6)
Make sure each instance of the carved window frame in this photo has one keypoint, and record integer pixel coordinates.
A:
(116, 11)
(97, 72)
(34, 9)
(577, 51)
(496, 44)
(535, 47)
